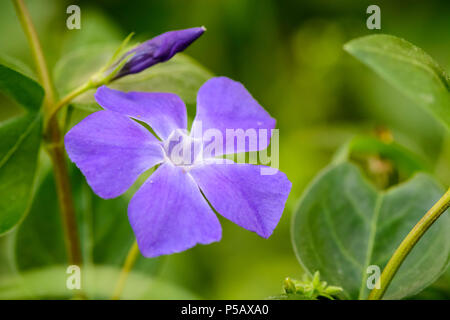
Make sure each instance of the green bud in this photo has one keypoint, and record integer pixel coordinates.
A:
(289, 286)
(316, 279)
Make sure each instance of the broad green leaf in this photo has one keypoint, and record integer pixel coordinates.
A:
(406, 160)
(343, 225)
(440, 290)
(97, 283)
(23, 90)
(105, 233)
(19, 148)
(408, 68)
(7, 254)
(98, 28)
(77, 66)
(180, 75)
(20, 140)
(17, 65)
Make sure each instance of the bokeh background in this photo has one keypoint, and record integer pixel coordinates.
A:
(289, 55)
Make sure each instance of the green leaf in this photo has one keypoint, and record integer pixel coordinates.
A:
(7, 254)
(23, 90)
(96, 282)
(17, 65)
(343, 224)
(20, 140)
(406, 160)
(181, 75)
(310, 287)
(408, 68)
(440, 290)
(19, 148)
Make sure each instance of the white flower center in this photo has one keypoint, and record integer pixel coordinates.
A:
(182, 150)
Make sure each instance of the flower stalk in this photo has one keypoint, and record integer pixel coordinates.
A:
(132, 256)
(408, 244)
(53, 139)
(66, 100)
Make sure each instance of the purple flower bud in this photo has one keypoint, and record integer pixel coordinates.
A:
(159, 49)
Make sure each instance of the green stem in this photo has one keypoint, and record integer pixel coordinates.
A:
(132, 256)
(68, 98)
(407, 244)
(53, 139)
(36, 50)
(95, 81)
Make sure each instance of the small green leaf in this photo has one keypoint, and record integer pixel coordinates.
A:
(332, 290)
(343, 225)
(23, 90)
(307, 289)
(289, 286)
(408, 68)
(20, 140)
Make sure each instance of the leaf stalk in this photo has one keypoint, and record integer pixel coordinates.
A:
(407, 245)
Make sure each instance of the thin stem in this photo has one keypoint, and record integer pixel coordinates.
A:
(68, 98)
(407, 244)
(53, 139)
(132, 256)
(38, 56)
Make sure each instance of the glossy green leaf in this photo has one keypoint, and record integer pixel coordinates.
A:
(17, 65)
(343, 225)
(181, 75)
(408, 68)
(23, 90)
(96, 282)
(20, 139)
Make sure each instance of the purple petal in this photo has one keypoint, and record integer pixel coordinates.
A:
(241, 194)
(111, 151)
(163, 112)
(159, 49)
(225, 104)
(169, 214)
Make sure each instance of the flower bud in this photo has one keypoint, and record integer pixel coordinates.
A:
(158, 49)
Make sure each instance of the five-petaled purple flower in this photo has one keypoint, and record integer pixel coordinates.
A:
(158, 49)
(169, 213)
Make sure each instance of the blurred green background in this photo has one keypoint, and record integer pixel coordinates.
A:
(289, 56)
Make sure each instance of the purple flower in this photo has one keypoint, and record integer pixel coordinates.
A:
(159, 49)
(169, 213)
